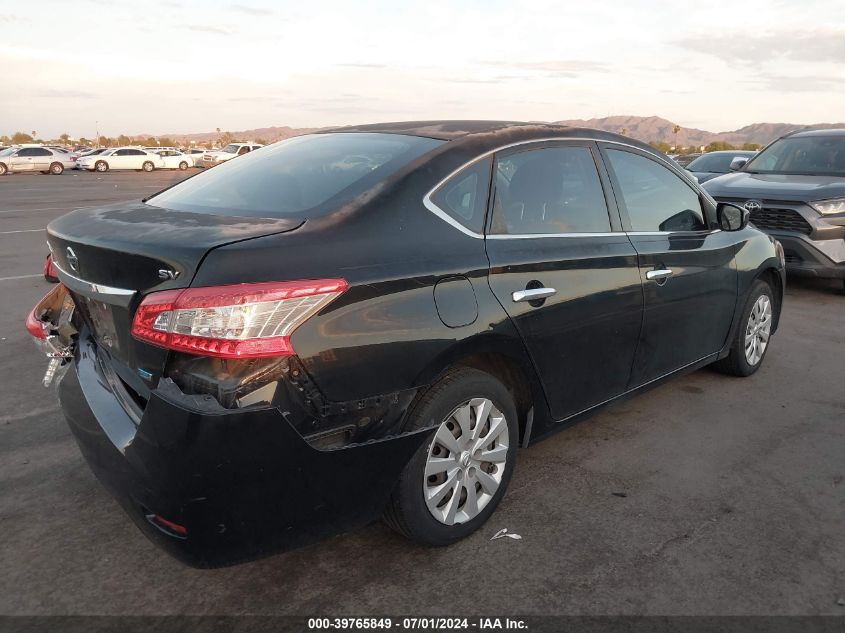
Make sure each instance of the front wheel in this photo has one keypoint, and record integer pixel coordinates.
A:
(751, 341)
(183, 166)
(455, 480)
(147, 166)
(101, 166)
(56, 169)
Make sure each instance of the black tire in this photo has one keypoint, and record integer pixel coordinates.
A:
(736, 363)
(183, 166)
(407, 512)
(101, 166)
(147, 166)
(56, 169)
(3, 169)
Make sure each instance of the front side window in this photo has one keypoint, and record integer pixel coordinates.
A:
(655, 198)
(464, 196)
(296, 177)
(547, 191)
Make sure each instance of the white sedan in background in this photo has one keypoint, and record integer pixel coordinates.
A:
(174, 159)
(122, 158)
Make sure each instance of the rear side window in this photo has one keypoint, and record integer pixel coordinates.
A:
(296, 177)
(547, 191)
(655, 198)
(464, 196)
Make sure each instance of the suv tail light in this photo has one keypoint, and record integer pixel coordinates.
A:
(239, 321)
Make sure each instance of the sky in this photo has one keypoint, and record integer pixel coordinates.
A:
(183, 66)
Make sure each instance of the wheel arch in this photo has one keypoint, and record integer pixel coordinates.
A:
(507, 362)
(774, 279)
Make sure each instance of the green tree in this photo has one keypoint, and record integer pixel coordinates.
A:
(262, 141)
(22, 137)
(105, 141)
(64, 138)
(124, 140)
(661, 146)
(719, 146)
(226, 138)
(751, 147)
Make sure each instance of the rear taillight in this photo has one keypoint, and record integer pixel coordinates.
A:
(240, 321)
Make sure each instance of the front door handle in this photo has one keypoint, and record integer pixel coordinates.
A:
(532, 294)
(658, 275)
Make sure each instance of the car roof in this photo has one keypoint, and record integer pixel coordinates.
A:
(830, 132)
(490, 133)
(730, 151)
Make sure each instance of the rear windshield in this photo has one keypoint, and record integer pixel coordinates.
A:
(295, 176)
(804, 155)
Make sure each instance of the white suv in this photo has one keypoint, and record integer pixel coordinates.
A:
(210, 159)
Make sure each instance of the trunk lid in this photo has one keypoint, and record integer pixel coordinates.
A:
(110, 257)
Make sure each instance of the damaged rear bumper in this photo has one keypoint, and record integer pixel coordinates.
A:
(216, 486)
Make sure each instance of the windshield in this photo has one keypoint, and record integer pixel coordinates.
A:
(802, 155)
(230, 149)
(718, 163)
(296, 175)
(8, 151)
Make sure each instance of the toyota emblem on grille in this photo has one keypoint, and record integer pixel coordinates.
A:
(72, 259)
(753, 205)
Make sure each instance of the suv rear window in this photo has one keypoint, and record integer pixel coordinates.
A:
(296, 176)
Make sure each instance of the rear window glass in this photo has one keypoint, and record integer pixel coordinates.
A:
(295, 176)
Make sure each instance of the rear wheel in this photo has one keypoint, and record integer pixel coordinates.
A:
(56, 169)
(751, 341)
(101, 166)
(455, 480)
(183, 165)
(147, 166)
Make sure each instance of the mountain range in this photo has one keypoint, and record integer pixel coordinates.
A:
(651, 128)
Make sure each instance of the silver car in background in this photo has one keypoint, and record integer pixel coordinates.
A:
(35, 158)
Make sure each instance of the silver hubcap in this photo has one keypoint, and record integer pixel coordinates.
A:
(758, 330)
(466, 461)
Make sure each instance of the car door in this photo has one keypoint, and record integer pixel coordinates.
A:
(565, 272)
(43, 157)
(23, 160)
(686, 262)
(120, 159)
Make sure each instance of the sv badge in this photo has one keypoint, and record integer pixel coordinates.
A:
(166, 273)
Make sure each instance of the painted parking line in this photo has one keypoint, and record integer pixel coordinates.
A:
(22, 231)
(20, 277)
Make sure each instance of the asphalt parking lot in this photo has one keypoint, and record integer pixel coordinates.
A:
(708, 495)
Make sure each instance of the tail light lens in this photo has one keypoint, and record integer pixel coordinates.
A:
(240, 321)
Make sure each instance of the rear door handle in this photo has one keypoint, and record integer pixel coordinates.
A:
(532, 294)
(658, 275)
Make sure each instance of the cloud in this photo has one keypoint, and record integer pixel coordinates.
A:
(821, 45)
(50, 93)
(782, 83)
(204, 28)
(562, 68)
(251, 10)
(353, 65)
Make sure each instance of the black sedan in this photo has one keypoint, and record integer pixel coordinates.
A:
(712, 164)
(369, 321)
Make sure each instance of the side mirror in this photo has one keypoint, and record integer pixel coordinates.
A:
(738, 163)
(732, 217)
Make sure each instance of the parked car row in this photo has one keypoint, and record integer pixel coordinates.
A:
(54, 159)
